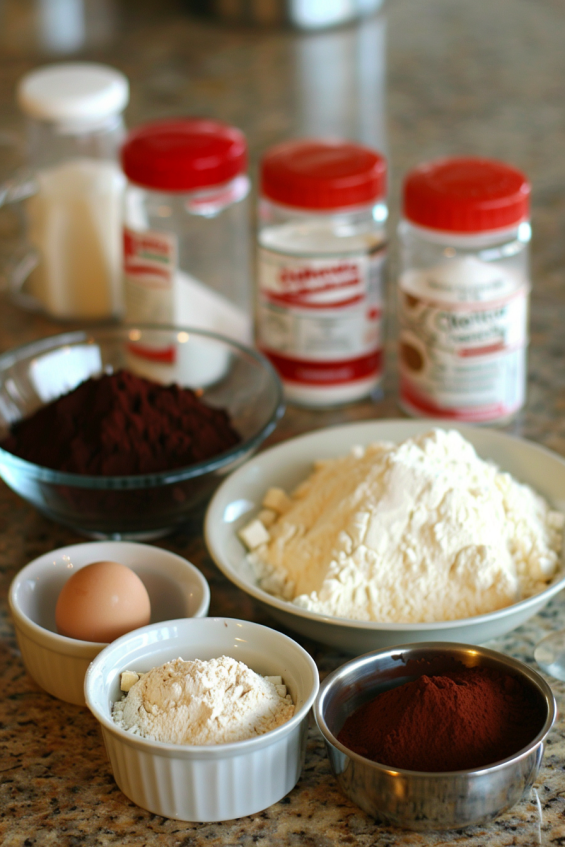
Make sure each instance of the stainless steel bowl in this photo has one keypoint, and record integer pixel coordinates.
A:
(414, 799)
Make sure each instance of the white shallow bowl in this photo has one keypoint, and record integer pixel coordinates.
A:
(57, 663)
(240, 495)
(212, 782)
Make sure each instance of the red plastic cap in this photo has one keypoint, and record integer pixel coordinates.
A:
(466, 195)
(316, 174)
(184, 154)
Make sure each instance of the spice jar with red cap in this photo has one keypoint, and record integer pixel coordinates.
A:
(186, 228)
(463, 290)
(321, 255)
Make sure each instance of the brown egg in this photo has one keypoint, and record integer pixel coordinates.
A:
(102, 601)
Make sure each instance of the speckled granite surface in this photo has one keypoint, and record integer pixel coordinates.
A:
(479, 77)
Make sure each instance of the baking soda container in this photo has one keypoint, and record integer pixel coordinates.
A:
(71, 262)
(464, 290)
(186, 231)
(321, 260)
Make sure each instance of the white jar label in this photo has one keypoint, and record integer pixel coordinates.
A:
(320, 318)
(464, 361)
(150, 261)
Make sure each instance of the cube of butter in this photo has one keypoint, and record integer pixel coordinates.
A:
(254, 534)
(277, 500)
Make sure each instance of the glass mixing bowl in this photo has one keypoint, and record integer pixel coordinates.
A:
(224, 374)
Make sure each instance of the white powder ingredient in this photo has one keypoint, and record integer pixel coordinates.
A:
(203, 702)
(420, 531)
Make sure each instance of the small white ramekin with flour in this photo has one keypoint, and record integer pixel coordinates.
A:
(212, 782)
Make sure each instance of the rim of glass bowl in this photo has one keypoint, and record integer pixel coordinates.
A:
(44, 474)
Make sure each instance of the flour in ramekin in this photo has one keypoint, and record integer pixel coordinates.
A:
(419, 531)
(203, 702)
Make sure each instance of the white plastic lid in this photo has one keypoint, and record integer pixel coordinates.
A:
(73, 92)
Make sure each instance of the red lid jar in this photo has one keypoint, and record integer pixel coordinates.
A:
(318, 174)
(184, 154)
(463, 290)
(467, 195)
(186, 250)
(321, 261)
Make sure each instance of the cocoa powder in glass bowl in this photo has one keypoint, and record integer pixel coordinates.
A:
(121, 424)
(180, 440)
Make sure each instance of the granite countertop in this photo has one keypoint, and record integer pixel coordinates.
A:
(427, 78)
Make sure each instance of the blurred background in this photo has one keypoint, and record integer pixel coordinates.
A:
(414, 78)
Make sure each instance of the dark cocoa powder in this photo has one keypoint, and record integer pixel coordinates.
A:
(465, 719)
(121, 424)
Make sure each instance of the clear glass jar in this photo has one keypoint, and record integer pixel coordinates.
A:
(321, 259)
(463, 290)
(70, 264)
(186, 228)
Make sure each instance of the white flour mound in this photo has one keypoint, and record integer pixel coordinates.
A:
(421, 531)
(202, 702)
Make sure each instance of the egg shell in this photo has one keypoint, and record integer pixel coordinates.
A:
(102, 601)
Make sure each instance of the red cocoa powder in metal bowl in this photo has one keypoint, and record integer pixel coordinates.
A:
(460, 720)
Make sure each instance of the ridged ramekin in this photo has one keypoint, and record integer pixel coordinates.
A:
(57, 663)
(208, 782)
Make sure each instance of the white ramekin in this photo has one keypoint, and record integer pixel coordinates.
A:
(213, 782)
(57, 663)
